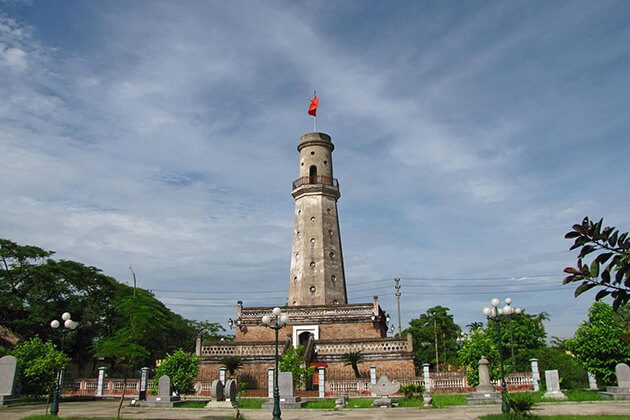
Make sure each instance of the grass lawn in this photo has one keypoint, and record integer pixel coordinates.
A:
(191, 404)
(572, 395)
(448, 400)
(251, 403)
(361, 403)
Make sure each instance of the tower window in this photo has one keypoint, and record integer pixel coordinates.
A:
(333, 278)
(312, 174)
(325, 162)
(330, 232)
(312, 264)
(313, 219)
(295, 279)
(335, 302)
(332, 254)
(313, 241)
(312, 153)
(313, 289)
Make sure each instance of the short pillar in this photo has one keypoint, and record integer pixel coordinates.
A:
(373, 377)
(427, 377)
(144, 379)
(535, 374)
(270, 382)
(100, 383)
(322, 382)
(222, 375)
(592, 381)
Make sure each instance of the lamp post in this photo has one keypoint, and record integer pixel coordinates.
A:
(516, 311)
(493, 313)
(68, 325)
(276, 321)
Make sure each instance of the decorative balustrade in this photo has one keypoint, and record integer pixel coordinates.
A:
(380, 346)
(440, 382)
(230, 349)
(315, 180)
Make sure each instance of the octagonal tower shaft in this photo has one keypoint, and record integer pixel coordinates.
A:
(317, 273)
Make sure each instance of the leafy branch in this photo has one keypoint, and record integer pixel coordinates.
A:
(609, 253)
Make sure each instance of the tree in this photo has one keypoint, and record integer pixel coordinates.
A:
(293, 361)
(34, 288)
(522, 333)
(435, 336)
(38, 363)
(609, 268)
(182, 368)
(598, 342)
(208, 331)
(479, 344)
(232, 364)
(354, 358)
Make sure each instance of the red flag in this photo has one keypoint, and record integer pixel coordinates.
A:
(312, 108)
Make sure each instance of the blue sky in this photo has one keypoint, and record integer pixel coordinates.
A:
(469, 137)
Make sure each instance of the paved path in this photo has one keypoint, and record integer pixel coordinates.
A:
(107, 409)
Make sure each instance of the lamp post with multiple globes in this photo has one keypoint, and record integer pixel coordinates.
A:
(495, 313)
(276, 321)
(68, 325)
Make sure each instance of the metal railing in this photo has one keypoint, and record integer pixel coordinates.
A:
(315, 180)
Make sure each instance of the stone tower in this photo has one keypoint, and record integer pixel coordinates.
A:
(317, 274)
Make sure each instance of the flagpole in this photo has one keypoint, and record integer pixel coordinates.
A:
(315, 116)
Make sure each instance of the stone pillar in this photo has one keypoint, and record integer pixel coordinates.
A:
(270, 382)
(484, 377)
(535, 374)
(100, 383)
(198, 346)
(373, 377)
(427, 377)
(322, 382)
(222, 375)
(592, 382)
(144, 379)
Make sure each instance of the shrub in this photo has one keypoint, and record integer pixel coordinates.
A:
(411, 389)
(182, 368)
(572, 373)
(521, 404)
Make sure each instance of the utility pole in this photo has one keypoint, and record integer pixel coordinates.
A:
(437, 360)
(397, 294)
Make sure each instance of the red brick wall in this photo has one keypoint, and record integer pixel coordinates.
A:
(326, 332)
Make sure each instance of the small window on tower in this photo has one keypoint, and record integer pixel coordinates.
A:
(328, 211)
(312, 241)
(295, 279)
(313, 289)
(333, 278)
(312, 153)
(312, 264)
(325, 162)
(330, 232)
(335, 302)
(313, 219)
(331, 254)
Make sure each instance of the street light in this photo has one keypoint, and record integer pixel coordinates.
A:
(276, 321)
(68, 325)
(494, 313)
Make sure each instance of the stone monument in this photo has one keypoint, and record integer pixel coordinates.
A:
(384, 388)
(219, 395)
(484, 392)
(285, 386)
(8, 366)
(164, 399)
(622, 390)
(552, 383)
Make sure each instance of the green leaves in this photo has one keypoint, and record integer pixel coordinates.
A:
(182, 368)
(610, 265)
(598, 342)
(39, 363)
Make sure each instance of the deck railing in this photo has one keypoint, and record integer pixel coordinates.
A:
(314, 180)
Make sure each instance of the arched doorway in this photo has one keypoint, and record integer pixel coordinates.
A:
(312, 174)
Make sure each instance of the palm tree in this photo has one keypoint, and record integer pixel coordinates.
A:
(232, 364)
(353, 359)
